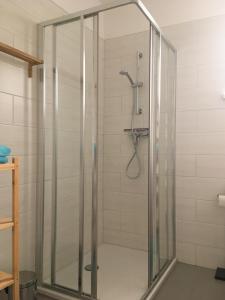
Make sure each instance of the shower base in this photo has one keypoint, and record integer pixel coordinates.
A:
(122, 274)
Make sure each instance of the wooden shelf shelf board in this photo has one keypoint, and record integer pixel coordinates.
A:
(5, 167)
(6, 223)
(30, 59)
(5, 280)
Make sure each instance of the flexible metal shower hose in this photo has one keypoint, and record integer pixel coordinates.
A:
(135, 154)
(135, 142)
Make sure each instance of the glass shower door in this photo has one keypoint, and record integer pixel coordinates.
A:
(62, 159)
(162, 155)
(166, 154)
(67, 157)
(70, 113)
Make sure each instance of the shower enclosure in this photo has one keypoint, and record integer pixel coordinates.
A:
(106, 190)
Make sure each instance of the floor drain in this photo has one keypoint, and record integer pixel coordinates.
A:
(89, 268)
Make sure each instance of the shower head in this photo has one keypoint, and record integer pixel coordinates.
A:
(122, 72)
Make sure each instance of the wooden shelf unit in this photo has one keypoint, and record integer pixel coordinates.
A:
(30, 59)
(6, 279)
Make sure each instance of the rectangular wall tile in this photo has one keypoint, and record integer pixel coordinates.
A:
(6, 112)
(112, 182)
(201, 233)
(210, 257)
(186, 253)
(112, 220)
(211, 120)
(211, 166)
(186, 121)
(210, 143)
(186, 143)
(199, 188)
(186, 165)
(186, 209)
(210, 212)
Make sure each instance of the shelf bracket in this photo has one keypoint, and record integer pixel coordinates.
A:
(30, 66)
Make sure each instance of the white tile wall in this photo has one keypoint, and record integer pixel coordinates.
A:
(200, 140)
(18, 123)
(125, 200)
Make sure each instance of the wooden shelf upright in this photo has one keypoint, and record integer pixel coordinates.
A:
(7, 280)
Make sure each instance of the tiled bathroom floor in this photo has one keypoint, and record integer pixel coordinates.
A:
(123, 279)
(188, 282)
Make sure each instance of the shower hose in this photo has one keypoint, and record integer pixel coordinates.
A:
(135, 141)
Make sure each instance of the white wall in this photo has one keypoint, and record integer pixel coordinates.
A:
(18, 124)
(200, 140)
(125, 200)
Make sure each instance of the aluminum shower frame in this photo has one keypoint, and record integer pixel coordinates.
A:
(153, 201)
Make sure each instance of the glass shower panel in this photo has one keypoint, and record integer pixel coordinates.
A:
(123, 251)
(70, 147)
(171, 84)
(163, 160)
(154, 264)
(89, 147)
(166, 153)
(66, 165)
(47, 154)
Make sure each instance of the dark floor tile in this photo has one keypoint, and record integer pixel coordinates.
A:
(3, 296)
(188, 282)
(42, 297)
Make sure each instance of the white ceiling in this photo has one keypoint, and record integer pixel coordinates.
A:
(76, 5)
(166, 12)
(37, 11)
